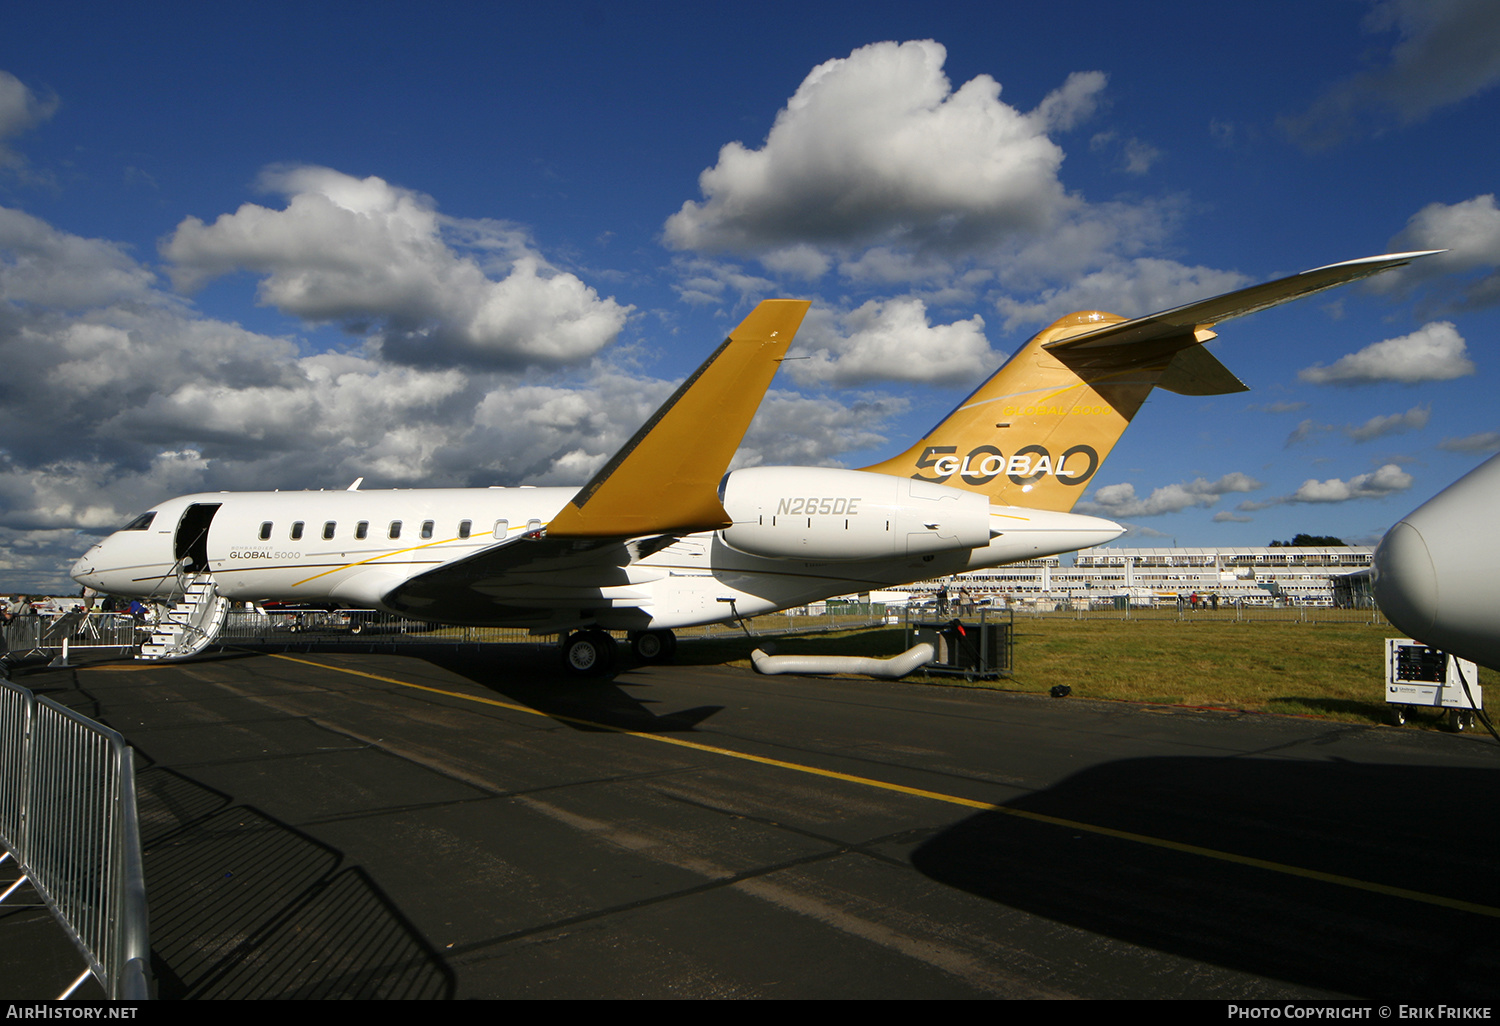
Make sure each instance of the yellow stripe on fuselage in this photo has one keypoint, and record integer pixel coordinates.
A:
(383, 555)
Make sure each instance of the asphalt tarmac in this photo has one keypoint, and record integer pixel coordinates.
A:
(469, 824)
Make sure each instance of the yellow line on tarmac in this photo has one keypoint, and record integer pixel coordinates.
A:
(1037, 817)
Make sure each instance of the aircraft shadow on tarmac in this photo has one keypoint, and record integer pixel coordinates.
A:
(1421, 828)
(531, 678)
(245, 906)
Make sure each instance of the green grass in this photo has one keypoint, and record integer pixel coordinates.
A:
(1332, 671)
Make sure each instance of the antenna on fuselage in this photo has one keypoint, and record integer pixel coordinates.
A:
(355, 486)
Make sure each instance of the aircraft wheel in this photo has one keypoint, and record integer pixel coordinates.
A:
(653, 646)
(588, 653)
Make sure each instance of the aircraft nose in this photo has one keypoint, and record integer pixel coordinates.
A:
(83, 570)
(1406, 584)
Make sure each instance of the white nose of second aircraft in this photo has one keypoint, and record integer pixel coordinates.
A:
(1437, 572)
(1406, 584)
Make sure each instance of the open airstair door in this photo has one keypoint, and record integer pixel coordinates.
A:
(194, 623)
(190, 544)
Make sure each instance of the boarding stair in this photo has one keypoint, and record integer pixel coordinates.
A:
(192, 625)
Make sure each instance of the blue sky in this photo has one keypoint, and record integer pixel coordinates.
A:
(290, 245)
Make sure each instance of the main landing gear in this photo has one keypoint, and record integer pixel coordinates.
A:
(653, 646)
(593, 653)
(588, 653)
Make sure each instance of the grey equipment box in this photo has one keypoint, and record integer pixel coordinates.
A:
(1419, 675)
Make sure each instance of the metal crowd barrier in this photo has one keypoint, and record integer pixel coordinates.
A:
(362, 626)
(1227, 613)
(57, 635)
(68, 818)
(369, 627)
(45, 632)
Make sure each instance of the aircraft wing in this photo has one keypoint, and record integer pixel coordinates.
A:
(661, 484)
(527, 573)
(666, 478)
(1207, 312)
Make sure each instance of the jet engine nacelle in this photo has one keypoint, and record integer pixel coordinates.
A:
(825, 514)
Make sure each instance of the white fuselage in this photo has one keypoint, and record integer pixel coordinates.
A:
(799, 535)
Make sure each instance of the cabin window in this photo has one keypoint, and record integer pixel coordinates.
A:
(533, 524)
(362, 530)
(328, 530)
(427, 529)
(297, 531)
(395, 529)
(463, 528)
(501, 526)
(141, 522)
(265, 531)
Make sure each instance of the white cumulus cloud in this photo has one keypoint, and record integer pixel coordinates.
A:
(1483, 441)
(1130, 288)
(1374, 485)
(44, 267)
(1413, 419)
(20, 109)
(807, 431)
(379, 259)
(890, 340)
(115, 394)
(1434, 352)
(1120, 500)
(1467, 276)
(877, 147)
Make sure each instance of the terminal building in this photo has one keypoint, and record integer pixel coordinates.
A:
(1276, 575)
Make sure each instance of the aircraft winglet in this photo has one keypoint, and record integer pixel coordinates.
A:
(666, 478)
(1244, 301)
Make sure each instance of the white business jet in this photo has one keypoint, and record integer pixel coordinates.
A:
(663, 538)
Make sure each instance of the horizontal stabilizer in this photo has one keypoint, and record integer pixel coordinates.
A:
(1196, 371)
(1234, 304)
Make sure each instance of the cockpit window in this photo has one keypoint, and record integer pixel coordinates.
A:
(141, 522)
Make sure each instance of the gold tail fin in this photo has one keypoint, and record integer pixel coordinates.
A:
(1038, 430)
(1035, 433)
